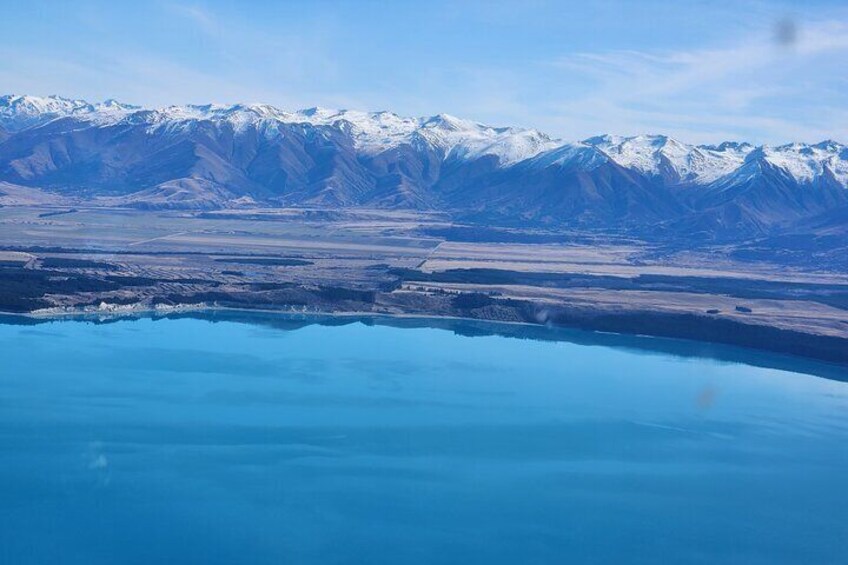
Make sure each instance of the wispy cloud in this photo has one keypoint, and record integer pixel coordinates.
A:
(200, 17)
(241, 61)
(743, 88)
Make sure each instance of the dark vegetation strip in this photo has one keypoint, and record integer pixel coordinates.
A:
(57, 213)
(835, 295)
(72, 263)
(22, 290)
(125, 281)
(104, 251)
(269, 261)
(475, 234)
(672, 325)
(715, 330)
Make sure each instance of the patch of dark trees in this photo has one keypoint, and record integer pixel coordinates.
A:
(267, 261)
(710, 329)
(73, 263)
(23, 290)
(835, 295)
(57, 213)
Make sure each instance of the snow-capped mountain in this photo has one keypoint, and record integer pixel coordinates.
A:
(214, 155)
(372, 132)
(806, 163)
(677, 162)
(375, 132)
(20, 112)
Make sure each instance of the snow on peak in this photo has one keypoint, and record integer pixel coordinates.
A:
(466, 139)
(452, 138)
(660, 155)
(19, 112)
(806, 163)
(580, 155)
(513, 146)
(375, 132)
(112, 105)
(371, 131)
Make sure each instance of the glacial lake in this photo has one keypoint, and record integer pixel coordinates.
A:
(226, 440)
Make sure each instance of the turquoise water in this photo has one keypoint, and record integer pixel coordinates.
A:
(187, 441)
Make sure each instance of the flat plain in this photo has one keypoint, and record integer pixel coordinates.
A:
(58, 260)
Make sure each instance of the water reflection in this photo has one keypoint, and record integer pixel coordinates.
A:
(221, 441)
(481, 328)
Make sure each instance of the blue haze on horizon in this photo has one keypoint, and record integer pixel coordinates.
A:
(765, 72)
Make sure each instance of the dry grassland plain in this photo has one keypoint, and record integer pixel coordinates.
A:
(61, 259)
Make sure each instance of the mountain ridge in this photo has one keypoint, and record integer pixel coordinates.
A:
(384, 125)
(218, 156)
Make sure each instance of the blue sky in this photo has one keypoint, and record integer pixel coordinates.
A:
(701, 71)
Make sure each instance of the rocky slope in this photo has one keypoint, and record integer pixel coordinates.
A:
(211, 156)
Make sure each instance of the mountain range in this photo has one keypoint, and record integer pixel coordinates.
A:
(215, 156)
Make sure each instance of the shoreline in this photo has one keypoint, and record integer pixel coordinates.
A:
(48, 316)
(732, 350)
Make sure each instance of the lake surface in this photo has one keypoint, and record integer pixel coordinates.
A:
(188, 441)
